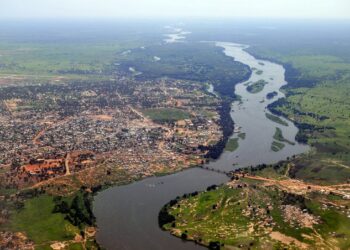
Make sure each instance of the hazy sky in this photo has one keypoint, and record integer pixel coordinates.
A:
(176, 8)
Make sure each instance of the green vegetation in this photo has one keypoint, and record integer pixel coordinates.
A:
(232, 145)
(318, 76)
(37, 219)
(277, 146)
(322, 113)
(77, 211)
(256, 87)
(203, 206)
(279, 137)
(202, 62)
(166, 114)
(244, 213)
(67, 51)
(45, 219)
(276, 119)
(53, 59)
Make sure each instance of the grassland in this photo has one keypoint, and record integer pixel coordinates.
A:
(256, 87)
(35, 58)
(232, 145)
(324, 114)
(71, 52)
(44, 224)
(276, 119)
(317, 101)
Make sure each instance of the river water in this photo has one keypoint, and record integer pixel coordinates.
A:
(177, 35)
(127, 216)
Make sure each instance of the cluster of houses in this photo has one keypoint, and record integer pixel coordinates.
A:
(64, 129)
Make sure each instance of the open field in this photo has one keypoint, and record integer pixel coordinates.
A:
(323, 115)
(61, 51)
(53, 59)
(42, 226)
(47, 220)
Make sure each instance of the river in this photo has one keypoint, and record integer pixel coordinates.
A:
(177, 35)
(127, 216)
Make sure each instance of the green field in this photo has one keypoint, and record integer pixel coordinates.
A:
(37, 219)
(42, 61)
(46, 219)
(277, 146)
(59, 50)
(326, 107)
(166, 114)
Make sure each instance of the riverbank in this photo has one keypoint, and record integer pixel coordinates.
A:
(129, 212)
(209, 177)
(261, 208)
(319, 178)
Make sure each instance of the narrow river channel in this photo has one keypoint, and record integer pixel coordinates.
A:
(127, 216)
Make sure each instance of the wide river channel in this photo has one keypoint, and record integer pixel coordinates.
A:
(127, 216)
